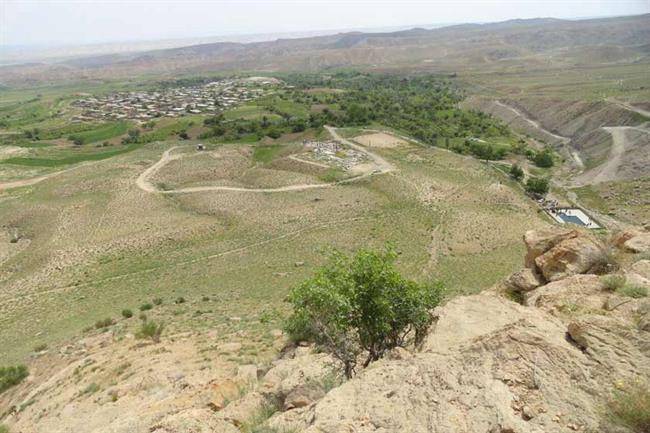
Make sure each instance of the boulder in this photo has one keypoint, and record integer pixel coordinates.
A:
(619, 238)
(577, 255)
(223, 392)
(539, 241)
(524, 280)
(299, 366)
(570, 295)
(605, 338)
(638, 244)
(245, 409)
(303, 395)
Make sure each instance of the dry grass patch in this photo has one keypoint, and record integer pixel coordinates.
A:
(380, 140)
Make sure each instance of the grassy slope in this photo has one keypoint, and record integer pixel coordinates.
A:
(84, 263)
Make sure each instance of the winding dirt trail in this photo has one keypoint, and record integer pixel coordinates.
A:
(534, 123)
(607, 171)
(34, 180)
(630, 107)
(382, 166)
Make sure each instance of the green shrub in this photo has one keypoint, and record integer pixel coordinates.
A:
(516, 172)
(361, 305)
(537, 185)
(633, 291)
(543, 159)
(4, 428)
(613, 282)
(630, 407)
(180, 300)
(104, 323)
(10, 376)
(150, 329)
(157, 301)
(146, 306)
(127, 314)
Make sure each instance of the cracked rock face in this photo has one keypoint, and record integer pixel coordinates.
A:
(492, 365)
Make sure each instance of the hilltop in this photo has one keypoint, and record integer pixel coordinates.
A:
(529, 44)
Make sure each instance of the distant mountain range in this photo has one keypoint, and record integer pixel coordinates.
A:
(533, 43)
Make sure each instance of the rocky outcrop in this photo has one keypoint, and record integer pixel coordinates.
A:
(556, 254)
(524, 280)
(489, 364)
(578, 255)
(639, 243)
(492, 365)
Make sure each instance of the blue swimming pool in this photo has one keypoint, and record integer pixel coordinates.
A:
(571, 219)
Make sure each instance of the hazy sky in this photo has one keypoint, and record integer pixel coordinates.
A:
(54, 22)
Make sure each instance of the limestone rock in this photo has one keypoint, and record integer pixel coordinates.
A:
(577, 255)
(619, 238)
(222, 392)
(244, 409)
(639, 243)
(524, 280)
(582, 292)
(515, 373)
(298, 367)
(604, 338)
(192, 421)
(303, 395)
(540, 241)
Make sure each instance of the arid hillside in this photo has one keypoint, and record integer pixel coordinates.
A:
(529, 44)
(553, 348)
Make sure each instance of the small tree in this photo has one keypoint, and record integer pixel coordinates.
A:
(537, 185)
(516, 172)
(361, 305)
(543, 159)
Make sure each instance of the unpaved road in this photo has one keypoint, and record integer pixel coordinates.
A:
(630, 107)
(534, 123)
(608, 170)
(38, 179)
(382, 166)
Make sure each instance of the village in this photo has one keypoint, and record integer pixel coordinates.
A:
(209, 98)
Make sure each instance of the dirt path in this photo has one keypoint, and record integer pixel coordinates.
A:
(534, 123)
(37, 179)
(382, 166)
(630, 107)
(607, 171)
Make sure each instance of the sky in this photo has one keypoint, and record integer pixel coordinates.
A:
(51, 22)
